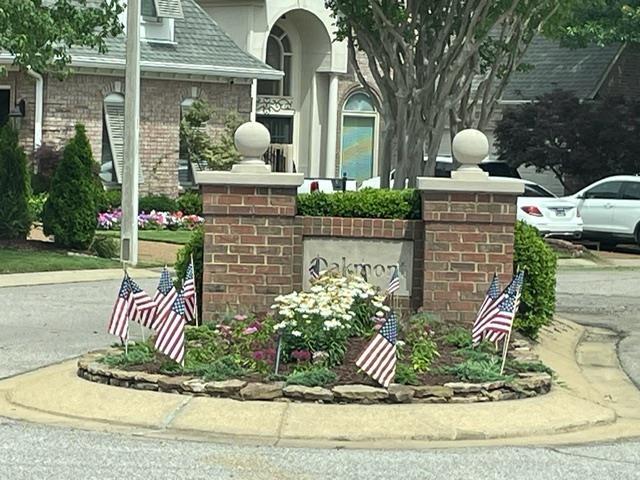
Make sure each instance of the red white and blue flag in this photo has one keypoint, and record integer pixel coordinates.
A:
(142, 305)
(170, 339)
(119, 321)
(492, 299)
(379, 358)
(500, 324)
(394, 282)
(189, 293)
(164, 298)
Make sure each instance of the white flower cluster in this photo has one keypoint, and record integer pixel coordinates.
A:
(331, 298)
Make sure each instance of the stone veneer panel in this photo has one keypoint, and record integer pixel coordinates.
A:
(468, 237)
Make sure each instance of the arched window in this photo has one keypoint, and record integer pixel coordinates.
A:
(359, 137)
(112, 138)
(279, 57)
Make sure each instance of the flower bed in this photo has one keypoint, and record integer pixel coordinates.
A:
(320, 333)
(153, 220)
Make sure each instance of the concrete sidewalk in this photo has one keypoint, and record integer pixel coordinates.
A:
(72, 276)
(595, 401)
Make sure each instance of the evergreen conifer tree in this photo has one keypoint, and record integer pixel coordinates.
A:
(70, 212)
(15, 187)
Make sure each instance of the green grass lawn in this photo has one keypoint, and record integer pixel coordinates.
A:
(179, 237)
(19, 260)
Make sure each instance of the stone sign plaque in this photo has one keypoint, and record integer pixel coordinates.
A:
(375, 259)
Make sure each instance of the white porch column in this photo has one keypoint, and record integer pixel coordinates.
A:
(332, 126)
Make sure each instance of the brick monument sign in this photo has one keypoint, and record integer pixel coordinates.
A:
(257, 248)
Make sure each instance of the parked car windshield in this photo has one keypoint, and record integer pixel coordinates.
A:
(537, 191)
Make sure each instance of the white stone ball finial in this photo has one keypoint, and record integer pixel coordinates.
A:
(470, 147)
(252, 139)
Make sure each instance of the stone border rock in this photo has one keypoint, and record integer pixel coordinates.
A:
(527, 385)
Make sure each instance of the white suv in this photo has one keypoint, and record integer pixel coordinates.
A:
(610, 209)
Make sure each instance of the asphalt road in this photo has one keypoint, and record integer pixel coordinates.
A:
(44, 324)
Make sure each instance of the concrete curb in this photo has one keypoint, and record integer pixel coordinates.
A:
(72, 276)
(597, 403)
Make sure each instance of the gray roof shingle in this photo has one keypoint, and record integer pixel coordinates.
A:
(578, 70)
(200, 47)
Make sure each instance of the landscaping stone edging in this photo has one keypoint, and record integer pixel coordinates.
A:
(527, 385)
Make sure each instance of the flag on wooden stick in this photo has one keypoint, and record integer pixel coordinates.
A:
(141, 303)
(189, 293)
(491, 300)
(500, 324)
(164, 298)
(170, 339)
(394, 282)
(379, 358)
(119, 321)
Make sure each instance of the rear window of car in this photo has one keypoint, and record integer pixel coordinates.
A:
(536, 191)
(631, 190)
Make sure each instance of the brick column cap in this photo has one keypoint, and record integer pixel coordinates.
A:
(486, 185)
(249, 179)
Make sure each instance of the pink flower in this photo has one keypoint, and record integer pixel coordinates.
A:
(249, 330)
(301, 355)
(240, 318)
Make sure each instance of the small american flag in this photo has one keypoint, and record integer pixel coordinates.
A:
(189, 293)
(141, 303)
(500, 323)
(491, 300)
(164, 298)
(394, 282)
(119, 321)
(314, 268)
(379, 358)
(170, 339)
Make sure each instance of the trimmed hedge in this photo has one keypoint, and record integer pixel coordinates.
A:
(159, 203)
(367, 203)
(539, 262)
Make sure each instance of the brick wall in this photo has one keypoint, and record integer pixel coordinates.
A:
(468, 237)
(249, 247)
(79, 99)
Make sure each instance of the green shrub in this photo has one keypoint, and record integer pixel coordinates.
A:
(406, 375)
(190, 203)
(539, 263)
(45, 159)
(105, 247)
(312, 377)
(367, 203)
(36, 205)
(459, 337)
(472, 370)
(138, 354)
(109, 200)
(195, 247)
(15, 189)
(420, 341)
(159, 203)
(70, 211)
(221, 369)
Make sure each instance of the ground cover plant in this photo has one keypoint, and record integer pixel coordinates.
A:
(323, 330)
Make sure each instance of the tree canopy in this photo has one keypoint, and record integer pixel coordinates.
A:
(597, 21)
(580, 142)
(39, 33)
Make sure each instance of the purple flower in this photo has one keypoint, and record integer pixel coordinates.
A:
(301, 355)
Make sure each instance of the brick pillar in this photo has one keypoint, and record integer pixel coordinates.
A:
(468, 238)
(248, 246)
